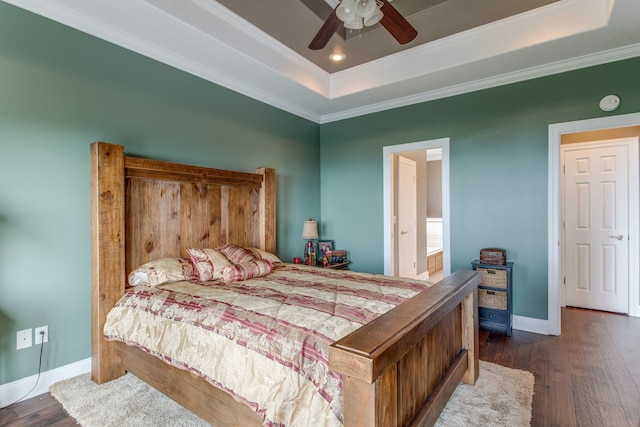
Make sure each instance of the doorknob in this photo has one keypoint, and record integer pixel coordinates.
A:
(619, 237)
(403, 232)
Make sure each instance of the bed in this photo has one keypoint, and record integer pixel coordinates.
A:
(399, 369)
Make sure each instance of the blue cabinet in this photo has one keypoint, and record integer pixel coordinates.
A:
(495, 296)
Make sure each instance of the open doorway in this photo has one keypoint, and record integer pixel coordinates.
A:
(431, 247)
(617, 124)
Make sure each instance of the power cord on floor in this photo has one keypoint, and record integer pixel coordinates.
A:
(37, 379)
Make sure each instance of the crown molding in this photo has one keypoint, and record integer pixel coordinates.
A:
(205, 39)
(551, 22)
(585, 61)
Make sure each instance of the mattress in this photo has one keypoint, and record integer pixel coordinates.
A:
(265, 340)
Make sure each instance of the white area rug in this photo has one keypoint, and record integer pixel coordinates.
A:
(501, 397)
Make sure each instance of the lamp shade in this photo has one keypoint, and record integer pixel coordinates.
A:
(346, 11)
(365, 8)
(310, 229)
(374, 18)
(354, 24)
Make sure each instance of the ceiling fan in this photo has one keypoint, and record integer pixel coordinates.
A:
(368, 12)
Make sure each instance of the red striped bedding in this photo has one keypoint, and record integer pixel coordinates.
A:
(263, 340)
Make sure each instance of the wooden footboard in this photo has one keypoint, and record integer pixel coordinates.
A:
(401, 369)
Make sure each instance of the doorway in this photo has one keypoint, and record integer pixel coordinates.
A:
(555, 278)
(390, 155)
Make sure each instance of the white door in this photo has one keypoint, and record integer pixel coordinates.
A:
(407, 217)
(596, 215)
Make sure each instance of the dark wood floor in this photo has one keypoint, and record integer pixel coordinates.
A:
(588, 376)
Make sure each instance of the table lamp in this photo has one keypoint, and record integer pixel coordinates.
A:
(310, 232)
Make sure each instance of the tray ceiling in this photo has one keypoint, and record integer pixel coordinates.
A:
(295, 23)
(259, 48)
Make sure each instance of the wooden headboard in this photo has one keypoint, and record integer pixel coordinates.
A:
(142, 210)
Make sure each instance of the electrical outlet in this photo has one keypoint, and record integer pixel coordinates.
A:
(45, 337)
(23, 339)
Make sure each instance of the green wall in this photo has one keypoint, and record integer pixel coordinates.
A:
(498, 169)
(60, 90)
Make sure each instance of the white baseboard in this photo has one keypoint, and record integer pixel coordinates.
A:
(423, 276)
(531, 324)
(13, 391)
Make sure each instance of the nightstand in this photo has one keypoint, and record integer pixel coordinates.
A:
(495, 296)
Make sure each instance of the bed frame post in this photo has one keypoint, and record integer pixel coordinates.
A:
(267, 215)
(107, 252)
(470, 336)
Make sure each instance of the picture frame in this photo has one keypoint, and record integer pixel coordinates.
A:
(323, 246)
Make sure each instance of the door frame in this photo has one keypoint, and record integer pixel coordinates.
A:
(387, 194)
(631, 143)
(554, 270)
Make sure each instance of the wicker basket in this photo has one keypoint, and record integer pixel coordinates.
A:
(494, 278)
(492, 299)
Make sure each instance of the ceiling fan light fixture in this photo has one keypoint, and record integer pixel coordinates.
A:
(355, 14)
(365, 8)
(374, 18)
(346, 11)
(354, 24)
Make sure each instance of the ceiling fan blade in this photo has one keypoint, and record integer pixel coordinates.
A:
(329, 27)
(395, 23)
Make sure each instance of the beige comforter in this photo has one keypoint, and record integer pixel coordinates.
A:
(263, 340)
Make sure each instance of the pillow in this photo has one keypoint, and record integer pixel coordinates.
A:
(161, 271)
(237, 254)
(267, 256)
(246, 270)
(207, 263)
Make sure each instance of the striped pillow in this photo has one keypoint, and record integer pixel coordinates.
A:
(207, 263)
(237, 254)
(246, 270)
(267, 256)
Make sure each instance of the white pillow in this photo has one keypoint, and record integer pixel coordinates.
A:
(163, 270)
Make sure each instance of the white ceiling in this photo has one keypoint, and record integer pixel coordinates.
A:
(206, 39)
